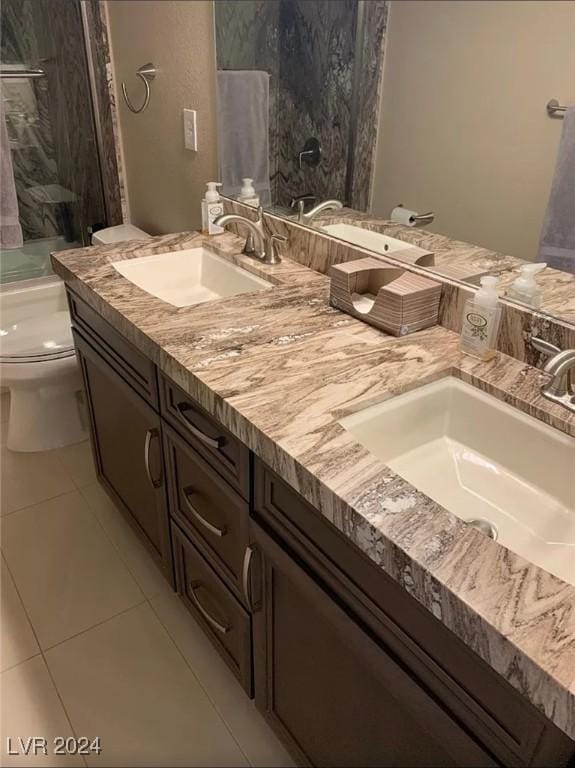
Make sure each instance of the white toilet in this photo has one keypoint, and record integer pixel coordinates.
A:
(38, 362)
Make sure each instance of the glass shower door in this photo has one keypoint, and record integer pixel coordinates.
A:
(51, 132)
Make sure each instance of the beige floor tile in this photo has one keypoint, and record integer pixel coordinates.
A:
(126, 681)
(78, 462)
(29, 478)
(250, 730)
(142, 567)
(68, 574)
(31, 707)
(17, 641)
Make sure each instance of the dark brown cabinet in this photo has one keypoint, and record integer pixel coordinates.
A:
(127, 444)
(330, 689)
(341, 651)
(345, 665)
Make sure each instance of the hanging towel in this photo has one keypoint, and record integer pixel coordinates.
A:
(10, 229)
(557, 244)
(243, 131)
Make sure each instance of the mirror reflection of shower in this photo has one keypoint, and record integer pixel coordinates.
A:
(301, 75)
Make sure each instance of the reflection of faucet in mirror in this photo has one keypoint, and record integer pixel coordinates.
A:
(307, 218)
(259, 243)
(307, 199)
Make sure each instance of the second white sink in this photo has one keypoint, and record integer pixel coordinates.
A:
(481, 459)
(191, 276)
(367, 238)
(379, 243)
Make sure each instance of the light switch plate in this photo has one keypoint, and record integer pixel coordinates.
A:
(190, 130)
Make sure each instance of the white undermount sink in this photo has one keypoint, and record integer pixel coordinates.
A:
(481, 459)
(366, 238)
(189, 277)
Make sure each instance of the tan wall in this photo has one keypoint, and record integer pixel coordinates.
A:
(165, 181)
(463, 127)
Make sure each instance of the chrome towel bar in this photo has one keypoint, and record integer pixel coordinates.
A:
(13, 74)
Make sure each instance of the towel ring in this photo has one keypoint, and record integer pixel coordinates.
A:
(146, 73)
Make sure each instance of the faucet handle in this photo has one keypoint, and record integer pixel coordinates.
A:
(276, 241)
(545, 347)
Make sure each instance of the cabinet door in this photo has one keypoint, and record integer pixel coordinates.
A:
(329, 688)
(127, 446)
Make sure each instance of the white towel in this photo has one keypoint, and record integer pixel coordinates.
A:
(243, 131)
(557, 244)
(10, 229)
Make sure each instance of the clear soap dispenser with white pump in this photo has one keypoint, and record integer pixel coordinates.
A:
(212, 207)
(481, 318)
(525, 287)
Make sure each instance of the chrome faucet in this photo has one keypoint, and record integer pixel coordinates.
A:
(259, 244)
(561, 366)
(307, 218)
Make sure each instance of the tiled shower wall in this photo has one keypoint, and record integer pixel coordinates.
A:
(317, 51)
(50, 122)
(309, 49)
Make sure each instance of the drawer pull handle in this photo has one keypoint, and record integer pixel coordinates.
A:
(150, 435)
(206, 523)
(221, 628)
(246, 578)
(213, 442)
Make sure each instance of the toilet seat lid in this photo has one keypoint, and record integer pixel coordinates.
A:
(35, 339)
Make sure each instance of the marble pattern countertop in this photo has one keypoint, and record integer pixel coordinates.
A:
(279, 368)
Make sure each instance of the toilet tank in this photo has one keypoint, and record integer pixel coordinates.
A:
(117, 234)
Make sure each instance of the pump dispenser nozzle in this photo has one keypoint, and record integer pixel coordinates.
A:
(212, 195)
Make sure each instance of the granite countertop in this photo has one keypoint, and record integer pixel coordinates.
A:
(454, 256)
(279, 368)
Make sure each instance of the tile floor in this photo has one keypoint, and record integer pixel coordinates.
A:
(93, 641)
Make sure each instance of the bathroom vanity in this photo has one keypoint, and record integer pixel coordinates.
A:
(370, 626)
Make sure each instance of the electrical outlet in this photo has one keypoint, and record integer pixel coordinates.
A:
(190, 130)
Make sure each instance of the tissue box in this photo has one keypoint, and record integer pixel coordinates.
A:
(390, 298)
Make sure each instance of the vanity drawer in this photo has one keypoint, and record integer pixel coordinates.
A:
(211, 513)
(478, 697)
(227, 455)
(224, 620)
(133, 366)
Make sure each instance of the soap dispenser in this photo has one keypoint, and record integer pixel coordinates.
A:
(248, 194)
(481, 318)
(525, 288)
(212, 208)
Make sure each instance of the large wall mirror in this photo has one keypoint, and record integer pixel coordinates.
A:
(445, 108)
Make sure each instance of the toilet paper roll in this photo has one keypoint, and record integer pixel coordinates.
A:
(403, 216)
